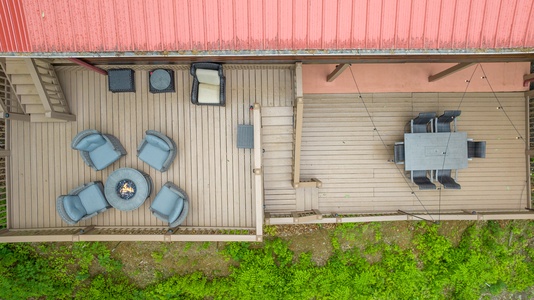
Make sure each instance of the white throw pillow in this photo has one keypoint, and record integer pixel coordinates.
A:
(208, 76)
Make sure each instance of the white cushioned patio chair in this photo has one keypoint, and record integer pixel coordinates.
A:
(98, 150)
(82, 203)
(157, 150)
(171, 205)
(209, 84)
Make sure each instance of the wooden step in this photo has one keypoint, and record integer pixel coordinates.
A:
(41, 118)
(26, 89)
(21, 79)
(16, 67)
(307, 198)
(30, 99)
(34, 109)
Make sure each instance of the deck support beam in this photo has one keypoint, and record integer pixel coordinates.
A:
(337, 71)
(16, 116)
(88, 66)
(449, 71)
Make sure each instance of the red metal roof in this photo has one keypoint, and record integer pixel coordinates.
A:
(13, 33)
(223, 26)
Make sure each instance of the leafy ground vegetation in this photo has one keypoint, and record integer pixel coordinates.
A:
(403, 260)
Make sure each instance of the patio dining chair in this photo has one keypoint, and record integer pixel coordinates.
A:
(399, 153)
(443, 122)
(476, 149)
(209, 84)
(420, 178)
(96, 149)
(444, 177)
(171, 205)
(420, 124)
(157, 150)
(82, 203)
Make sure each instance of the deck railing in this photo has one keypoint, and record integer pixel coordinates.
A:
(465, 215)
(530, 152)
(4, 153)
(102, 233)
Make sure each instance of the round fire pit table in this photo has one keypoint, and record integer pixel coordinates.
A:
(127, 189)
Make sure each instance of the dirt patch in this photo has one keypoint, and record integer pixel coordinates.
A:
(149, 262)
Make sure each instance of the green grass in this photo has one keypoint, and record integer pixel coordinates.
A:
(484, 260)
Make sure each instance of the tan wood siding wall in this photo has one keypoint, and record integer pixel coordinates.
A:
(342, 149)
(216, 175)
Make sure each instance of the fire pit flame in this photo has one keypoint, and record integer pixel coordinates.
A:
(126, 189)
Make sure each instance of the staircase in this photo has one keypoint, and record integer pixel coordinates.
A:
(38, 89)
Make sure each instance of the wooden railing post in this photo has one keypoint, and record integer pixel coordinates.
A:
(258, 172)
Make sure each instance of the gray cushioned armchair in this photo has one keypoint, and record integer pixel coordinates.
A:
(171, 205)
(98, 150)
(82, 203)
(157, 150)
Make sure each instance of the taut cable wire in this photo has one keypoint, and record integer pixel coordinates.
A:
(385, 146)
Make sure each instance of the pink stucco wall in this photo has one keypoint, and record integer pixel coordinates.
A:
(385, 78)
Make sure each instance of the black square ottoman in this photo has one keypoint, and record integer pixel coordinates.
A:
(121, 80)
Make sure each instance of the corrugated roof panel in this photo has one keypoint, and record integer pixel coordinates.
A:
(315, 24)
(460, 24)
(529, 34)
(359, 25)
(285, 27)
(504, 26)
(270, 25)
(241, 21)
(417, 24)
(475, 23)
(344, 25)
(374, 21)
(300, 24)
(255, 19)
(521, 21)
(491, 18)
(13, 27)
(388, 25)
(330, 29)
(226, 21)
(226, 25)
(432, 18)
(402, 33)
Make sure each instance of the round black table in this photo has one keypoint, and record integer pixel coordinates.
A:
(127, 189)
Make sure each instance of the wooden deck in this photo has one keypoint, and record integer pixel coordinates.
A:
(216, 175)
(341, 147)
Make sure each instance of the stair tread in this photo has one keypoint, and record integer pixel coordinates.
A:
(34, 109)
(30, 99)
(21, 79)
(41, 118)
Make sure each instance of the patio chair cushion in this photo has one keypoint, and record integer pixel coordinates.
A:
(156, 141)
(104, 156)
(168, 204)
(90, 143)
(92, 199)
(208, 76)
(153, 155)
(74, 207)
(208, 93)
